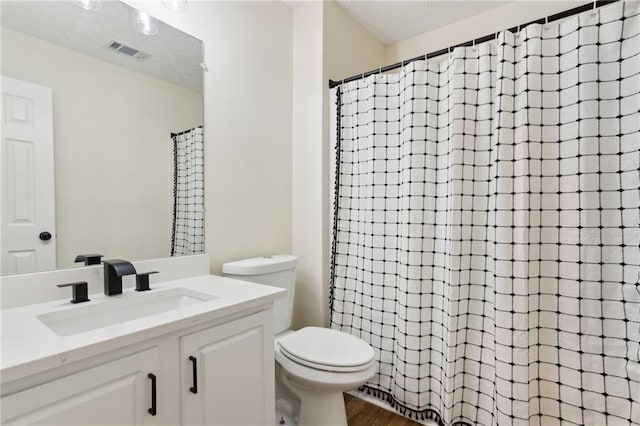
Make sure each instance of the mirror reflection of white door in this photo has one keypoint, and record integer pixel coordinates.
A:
(28, 199)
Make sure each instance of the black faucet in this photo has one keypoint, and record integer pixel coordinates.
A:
(114, 270)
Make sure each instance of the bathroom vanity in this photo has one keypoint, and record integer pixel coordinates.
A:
(195, 350)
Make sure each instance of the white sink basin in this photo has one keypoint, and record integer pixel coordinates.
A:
(120, 309)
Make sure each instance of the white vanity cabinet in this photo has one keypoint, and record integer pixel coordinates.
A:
(99, 374)
(114, 393)
(227, 373)
(234, 370)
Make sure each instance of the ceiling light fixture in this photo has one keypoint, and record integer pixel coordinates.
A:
(89, 4)
(143, 23)
(176, 5)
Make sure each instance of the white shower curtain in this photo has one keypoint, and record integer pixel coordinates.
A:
(486, 238)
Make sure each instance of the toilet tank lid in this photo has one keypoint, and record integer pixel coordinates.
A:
(260, 265)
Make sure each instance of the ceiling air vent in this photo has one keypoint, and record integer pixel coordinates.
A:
(127, 50)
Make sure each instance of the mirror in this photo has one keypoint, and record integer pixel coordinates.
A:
(111, 105)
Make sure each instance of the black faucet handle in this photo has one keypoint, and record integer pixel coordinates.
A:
(142, 280)
(89, 259)
(80, 291)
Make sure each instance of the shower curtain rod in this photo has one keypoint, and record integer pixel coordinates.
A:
(173, 135)
(561, 15)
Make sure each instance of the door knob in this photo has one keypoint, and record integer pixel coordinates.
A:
(45, 236)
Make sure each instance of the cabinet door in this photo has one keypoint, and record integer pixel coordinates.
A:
(114, 393)
(234, 373)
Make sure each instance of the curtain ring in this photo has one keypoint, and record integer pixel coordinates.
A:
(594, 11)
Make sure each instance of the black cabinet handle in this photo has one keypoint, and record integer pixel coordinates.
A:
(152, 410)
(194, 388)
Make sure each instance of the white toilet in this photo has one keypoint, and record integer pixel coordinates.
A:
(315, 364)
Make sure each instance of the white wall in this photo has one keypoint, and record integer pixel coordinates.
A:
(348, 47)
(498, 19)
(307, 172)
(113, 152)
(328, 43)
(248, 116)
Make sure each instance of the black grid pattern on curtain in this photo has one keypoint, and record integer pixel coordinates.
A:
(188, 192)
(487, 227)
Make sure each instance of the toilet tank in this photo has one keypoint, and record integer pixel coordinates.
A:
(278, 271)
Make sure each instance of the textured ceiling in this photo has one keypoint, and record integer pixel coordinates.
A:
(394, 20)
(175, 56)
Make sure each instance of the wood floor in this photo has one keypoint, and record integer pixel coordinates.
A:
(362, 413)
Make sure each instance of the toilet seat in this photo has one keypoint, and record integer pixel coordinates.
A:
(330, 368)
(323, 379)
(327, 349)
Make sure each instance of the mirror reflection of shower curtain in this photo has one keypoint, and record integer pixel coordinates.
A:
(188, 192)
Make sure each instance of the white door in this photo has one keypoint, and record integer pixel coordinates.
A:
(116, 393)
(28, 198)
(228, 374)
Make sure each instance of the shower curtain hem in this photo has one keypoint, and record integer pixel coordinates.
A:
(426, 414)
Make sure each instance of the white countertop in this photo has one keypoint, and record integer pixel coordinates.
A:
(29, 346)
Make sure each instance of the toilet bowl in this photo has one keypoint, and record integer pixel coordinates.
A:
(314, 364)
(318, 365)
